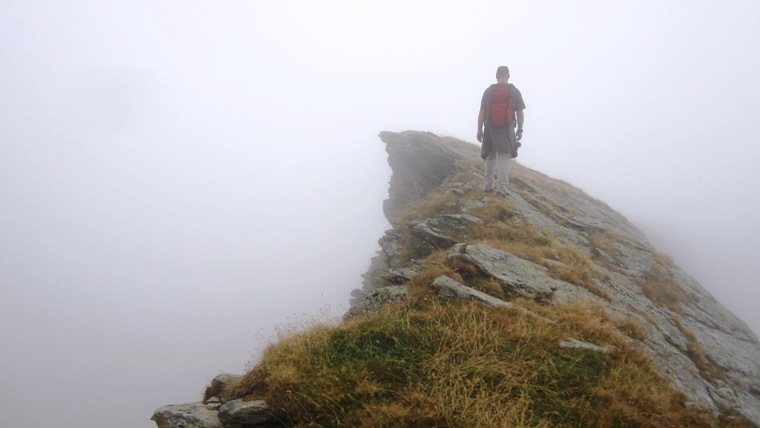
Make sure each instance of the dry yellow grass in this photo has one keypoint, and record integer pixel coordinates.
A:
(696, 353)
(438, 202)
(660, 287)
(632, 328)
(577, 268)
(605, 241)
(465, 365)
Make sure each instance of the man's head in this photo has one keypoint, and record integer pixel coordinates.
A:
(502, 74)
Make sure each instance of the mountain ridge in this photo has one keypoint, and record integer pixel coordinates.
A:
(546, 245)
(725, 340)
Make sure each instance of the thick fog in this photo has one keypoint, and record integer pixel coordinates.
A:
(180, 178)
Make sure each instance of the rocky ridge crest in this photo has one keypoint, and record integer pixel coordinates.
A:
(703, 349)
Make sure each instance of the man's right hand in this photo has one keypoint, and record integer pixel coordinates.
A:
(480, 135)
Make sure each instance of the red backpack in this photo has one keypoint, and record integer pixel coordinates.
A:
(499, 110)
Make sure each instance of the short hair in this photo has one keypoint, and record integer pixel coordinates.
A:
(503, 70)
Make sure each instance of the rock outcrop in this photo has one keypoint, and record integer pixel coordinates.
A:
(588, 252)
(211, 413)
(190, 415)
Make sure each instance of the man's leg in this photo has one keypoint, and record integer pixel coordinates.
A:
(490, 171)
(502, 173)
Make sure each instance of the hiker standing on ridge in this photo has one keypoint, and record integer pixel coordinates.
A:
(500, 109)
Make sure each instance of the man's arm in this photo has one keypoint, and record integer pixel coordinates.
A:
(520, 121)
(481, 119)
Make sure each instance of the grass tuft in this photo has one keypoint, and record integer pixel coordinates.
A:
(661, 288)
(707, 369)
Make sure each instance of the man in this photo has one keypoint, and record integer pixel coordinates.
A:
(500, 109)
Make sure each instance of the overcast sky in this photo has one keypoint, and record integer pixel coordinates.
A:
(179, 178)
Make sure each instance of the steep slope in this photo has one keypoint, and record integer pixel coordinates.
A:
(541, 308)
(696, 343)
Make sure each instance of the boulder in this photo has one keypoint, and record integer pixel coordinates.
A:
(219, 384)
(377, 299)
(190, 415)
(246, 414)
(390, 244)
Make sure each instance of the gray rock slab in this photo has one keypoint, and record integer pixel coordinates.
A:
(190, 415)
(219, 384)
(401, 275)
(378, 298)
(520, 276)
(579, 344)
(390, 244)
(463, 219)
(449, 288)
(246, 414)
(431, 234)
